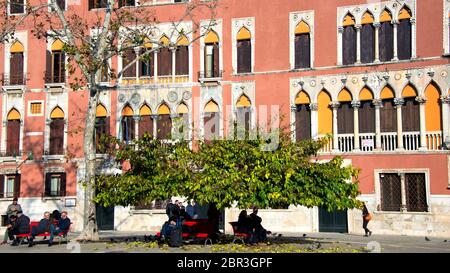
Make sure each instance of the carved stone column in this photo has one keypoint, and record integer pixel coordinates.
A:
(398, 104)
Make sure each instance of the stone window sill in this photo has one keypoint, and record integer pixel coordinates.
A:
(401, 212)
(6, 199)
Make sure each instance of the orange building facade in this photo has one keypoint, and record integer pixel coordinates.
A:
(374, 76)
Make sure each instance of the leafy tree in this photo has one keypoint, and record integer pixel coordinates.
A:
(233, 172)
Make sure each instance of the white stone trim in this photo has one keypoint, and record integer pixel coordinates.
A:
(377, 173)
(208, 93)
(236, 25)
(247, 89)
(446, 27)
(206, 26)
(22, 37)
(294, 19)
(29, 114)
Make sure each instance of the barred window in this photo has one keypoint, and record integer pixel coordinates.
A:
(157, 204)
(403, 192)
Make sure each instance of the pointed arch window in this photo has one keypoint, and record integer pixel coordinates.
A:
(146, 60)
(349, 42)
(13, 133)
(302, 45)
(56, 146)
(410, 110)
(388, 113)
(404, 34)
(127, 124)
(243, 115)
(182, 56)
(367, 38)
(128, 56)
(101, 128)
(164, 122)
(244, 51)
(386, 36)
(211, 121)
(302, 117)
(145, 121)
(366, 112)
(345, 113)
(211, 55)
(183, 114)
(55, 63)
(164, 58)
(16, 65)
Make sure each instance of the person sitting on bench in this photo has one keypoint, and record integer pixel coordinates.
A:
(244, 225)
(62, 226)
(21, 226)
(260, 234)
(174, 221)
(43, 227)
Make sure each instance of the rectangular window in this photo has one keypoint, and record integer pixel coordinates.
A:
(412, 185)
(17, 6)
(404, 34)
(9, 186)
(165, 62)
(36, 108)
(157, 204)
(55, 184)
(411, 115)
(416, 198)
(97, 4)
(391, 192)
(367, 43)
(209, 61)
(126, 3)
(388, 117)
(146, 64)
(386, 42)
(129, 55)
(182, 61)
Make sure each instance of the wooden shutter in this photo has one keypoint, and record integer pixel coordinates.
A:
(391, 192)
(303, 122)
(62, 186)
(366, 117)
(48, 66)
(57, 137)
(404, 40)
(165, 62)
(349, 45)
(182, 60)
(244, 52)
(91, 4)
(47, 184)
(216, 59)
(388, 117)
(17, 185)
(16, 69)
(13, 137)
(410, 115)
(302, 51)
(2, 186)
(345, 118)
(62, 73)
(145, 126)
(416, 195)
(100, 129)
(386, 42)
(128, 56)
(367, 43)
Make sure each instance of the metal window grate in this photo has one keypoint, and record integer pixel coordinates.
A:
(416, 198)
(391, 192)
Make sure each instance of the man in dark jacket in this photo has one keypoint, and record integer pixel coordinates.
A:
(259, 232)
(21, 226)
(43, 227)
(62, 226)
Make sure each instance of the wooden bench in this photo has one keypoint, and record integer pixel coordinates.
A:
(201, 229)
(238, 235)
(61, 235)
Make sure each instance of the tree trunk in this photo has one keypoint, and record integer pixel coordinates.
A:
(90, 230)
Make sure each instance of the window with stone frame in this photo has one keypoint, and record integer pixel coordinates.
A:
(55, 184)
(403, 192)
(9, 185)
